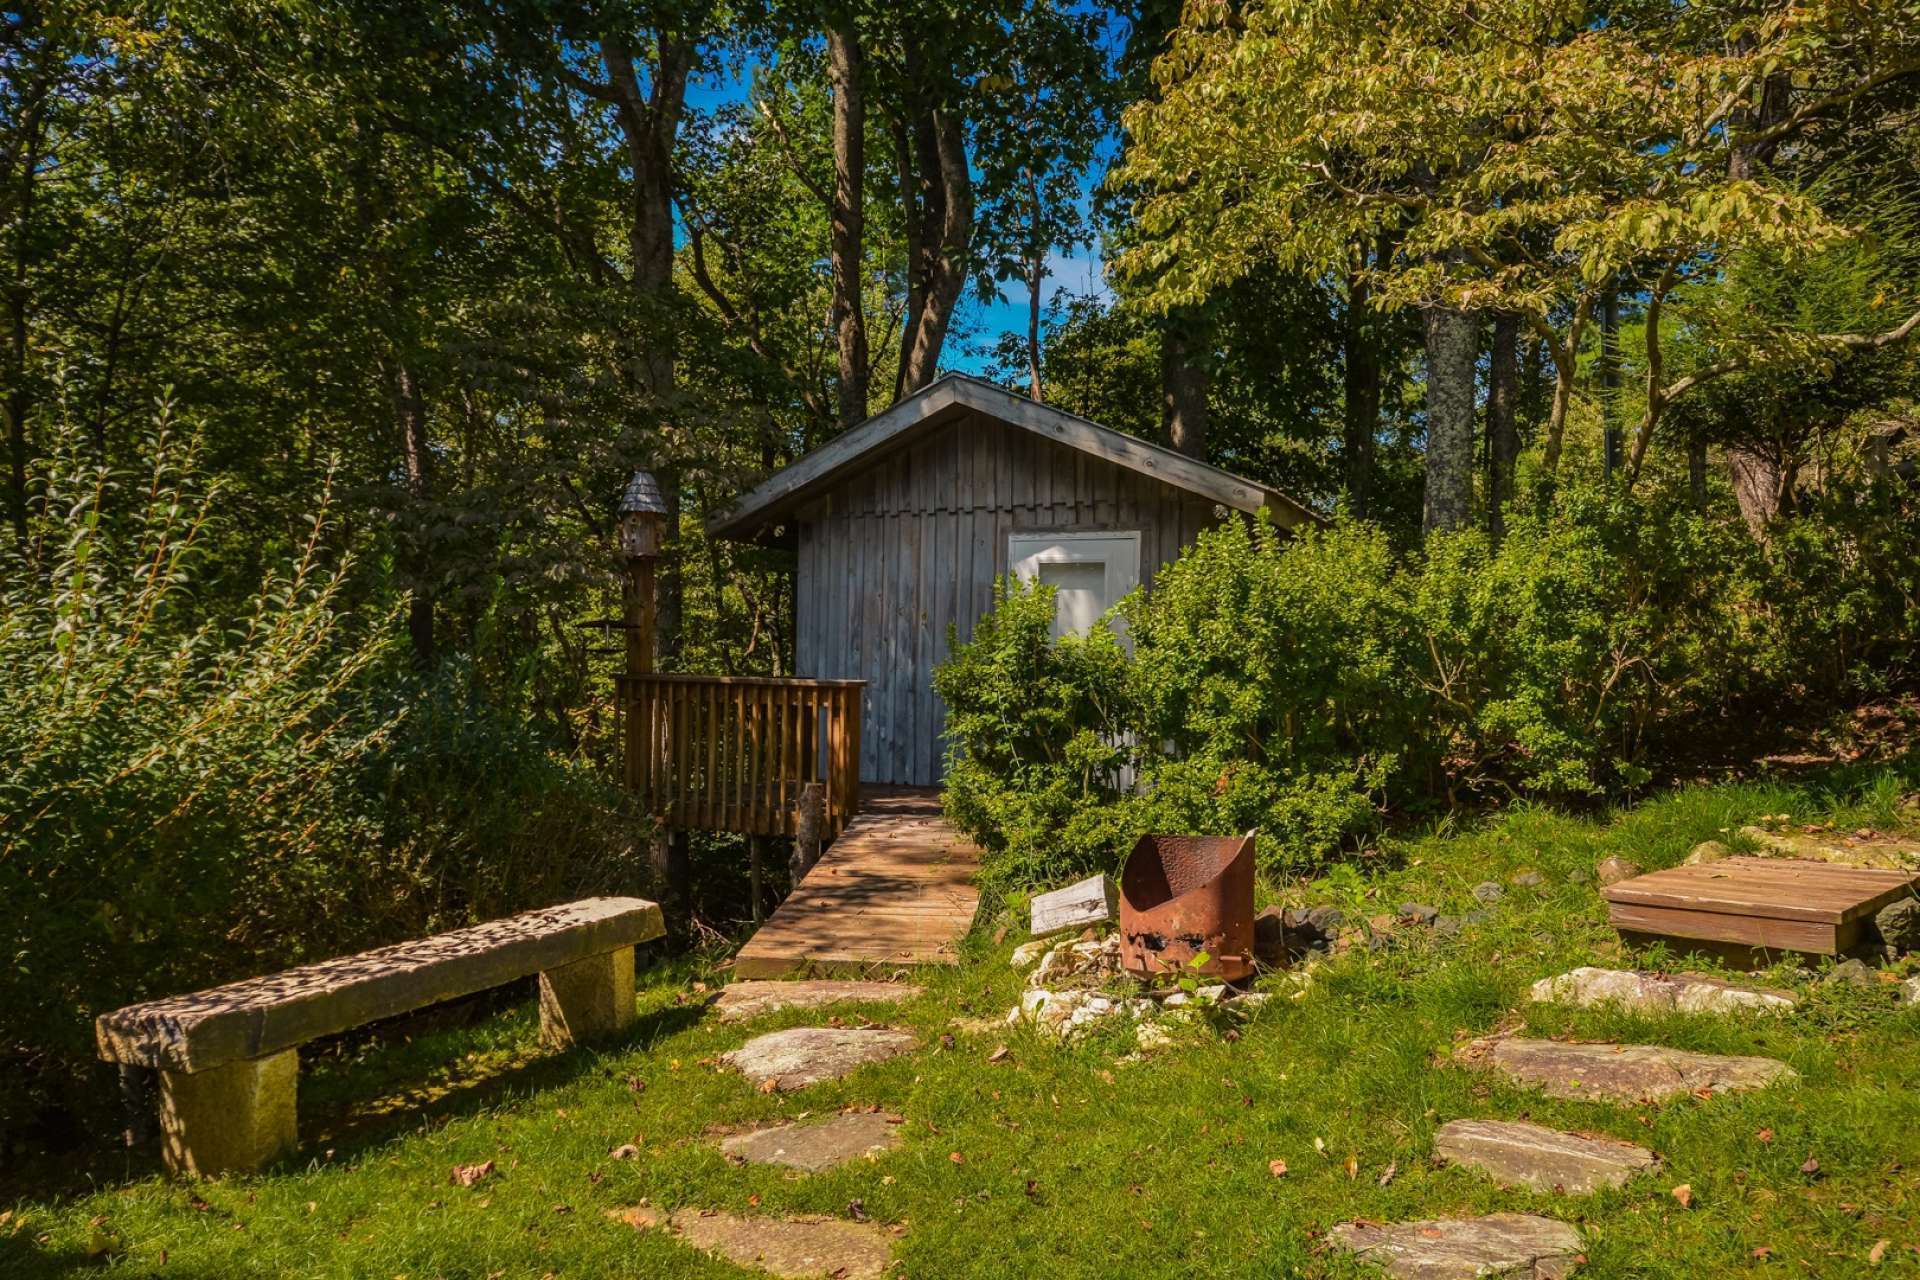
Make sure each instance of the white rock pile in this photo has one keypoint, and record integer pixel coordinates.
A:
(1068, 990)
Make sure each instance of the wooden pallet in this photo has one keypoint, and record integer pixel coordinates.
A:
(894, 890)
(1745, 908)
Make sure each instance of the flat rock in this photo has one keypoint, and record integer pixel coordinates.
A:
(1707, 851)
(1658, 992)
(796, 1248)
(1856, 849)
(801, 1056)
(1530, 1155)
(740, 1001)
(1614, 870)
(1627, 1073)
(1500, 1244)
(1093, 901)
(817, 1145)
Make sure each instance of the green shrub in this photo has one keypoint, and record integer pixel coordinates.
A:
(1308, 685)
(1044, 726)
(189, 797)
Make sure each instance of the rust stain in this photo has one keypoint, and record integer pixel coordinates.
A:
(1184, 895)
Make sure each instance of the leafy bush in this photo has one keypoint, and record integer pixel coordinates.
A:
(189, 797)
(1044, 724)
(1308, 685)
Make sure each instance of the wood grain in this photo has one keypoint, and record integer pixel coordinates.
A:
(896, 889)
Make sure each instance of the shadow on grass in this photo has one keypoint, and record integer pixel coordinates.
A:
(347, 1119)
(347, 1130)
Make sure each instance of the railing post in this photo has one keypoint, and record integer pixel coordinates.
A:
(808, 822)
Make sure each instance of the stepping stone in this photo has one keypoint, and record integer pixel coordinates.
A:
(795, 1248)
(1855, 849)
(1627, 1073)
(1658, 993)
(740, 1001)
(800, 1056)
(1530, 1155)
(1500, 1244)
(818, 1145)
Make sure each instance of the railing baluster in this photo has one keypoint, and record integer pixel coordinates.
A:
(726, 753)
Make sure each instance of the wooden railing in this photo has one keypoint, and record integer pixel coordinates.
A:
(736, 753)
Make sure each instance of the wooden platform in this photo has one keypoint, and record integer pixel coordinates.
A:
(895, 889)
(1742, 906)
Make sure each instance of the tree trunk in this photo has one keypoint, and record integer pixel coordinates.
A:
(1759, 485)
(649, 125)
(1608, 369)
(1452, 348)
(1697, 472)
(912, 220)
(416, 470)
(1361, 375)
(849, 218)
(942, 160)
(16, 402)
(1503, 432)
(1184, 383)
(1036, 273)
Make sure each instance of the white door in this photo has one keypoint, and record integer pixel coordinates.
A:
(1088, 572)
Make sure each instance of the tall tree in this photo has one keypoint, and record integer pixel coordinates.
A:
(849, 216)
(1288, 130)
(1503, 427)
(1453, 348)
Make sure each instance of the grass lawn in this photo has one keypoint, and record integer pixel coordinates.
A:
(1081, 1160)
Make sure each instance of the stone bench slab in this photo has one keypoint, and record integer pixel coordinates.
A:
(265, 1015)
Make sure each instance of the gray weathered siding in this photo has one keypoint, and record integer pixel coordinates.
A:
(894, 554)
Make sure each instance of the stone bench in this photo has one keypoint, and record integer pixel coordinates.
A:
(228, 1058)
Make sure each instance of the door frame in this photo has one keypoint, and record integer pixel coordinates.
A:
(1123, 574)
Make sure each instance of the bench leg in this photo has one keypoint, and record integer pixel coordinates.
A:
(229, 1119)
(587, 999)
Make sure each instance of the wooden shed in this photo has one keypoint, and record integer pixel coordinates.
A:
(903, 524)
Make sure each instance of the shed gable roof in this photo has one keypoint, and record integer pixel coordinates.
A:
(953, 396)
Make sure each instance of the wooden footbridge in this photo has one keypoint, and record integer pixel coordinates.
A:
(779, 756)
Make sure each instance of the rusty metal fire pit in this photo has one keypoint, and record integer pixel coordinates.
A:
(1183, 895)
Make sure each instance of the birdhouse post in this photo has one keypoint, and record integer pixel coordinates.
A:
(643, 528)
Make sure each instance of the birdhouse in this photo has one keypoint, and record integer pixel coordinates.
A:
(643, 517)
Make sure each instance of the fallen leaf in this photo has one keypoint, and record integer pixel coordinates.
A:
(465, 1175)
(770, 1084)
(856, 1210)
(625, 1151)
(753, 1201)
(1353, 1168)
(956, 1157)
(1763, 1252)
(1278, 1168)
(1684, 1194)
(998, 1055)
(1879, 1251)
(1765, 1135)
(1811, 1167)
(1386, 1175)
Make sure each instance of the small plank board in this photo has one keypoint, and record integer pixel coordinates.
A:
(1741, 906)
(895, 889)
